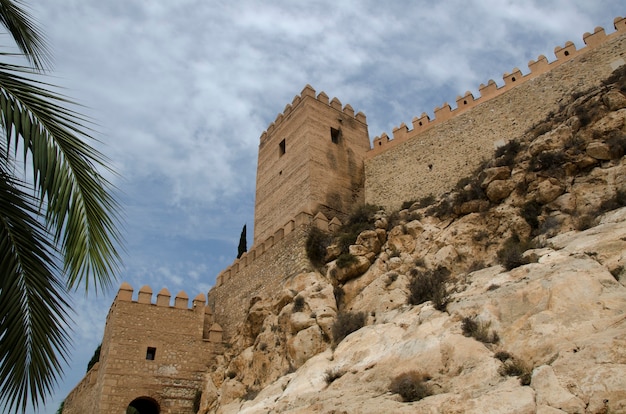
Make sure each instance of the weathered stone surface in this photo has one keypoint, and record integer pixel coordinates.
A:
(495, 173)
(304, 345)
(548, 190)
(614, 100)
(550, 392)
(499, 190)
(599, 150)
(551, 140)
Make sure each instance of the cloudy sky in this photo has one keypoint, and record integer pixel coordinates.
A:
(181, 91)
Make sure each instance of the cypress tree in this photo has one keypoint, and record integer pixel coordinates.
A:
(243, 244)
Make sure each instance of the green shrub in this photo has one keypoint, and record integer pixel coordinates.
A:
(345, 260)
(345, 324)
(511, 254)
(95, 358)
(429, 285)
(411, 386)
(472, 327)
(316, 243)
(360, 220)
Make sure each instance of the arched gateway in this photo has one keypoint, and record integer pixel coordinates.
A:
(143, 405)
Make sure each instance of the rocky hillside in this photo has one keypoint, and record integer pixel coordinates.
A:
(506, 295)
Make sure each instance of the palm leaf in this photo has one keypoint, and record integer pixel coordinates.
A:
(27, 36)
(32, 305)
(80, 213)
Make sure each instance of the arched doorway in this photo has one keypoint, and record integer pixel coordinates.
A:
(143, 405)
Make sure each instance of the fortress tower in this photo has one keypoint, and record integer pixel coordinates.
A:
(311, 160)
(153, 356)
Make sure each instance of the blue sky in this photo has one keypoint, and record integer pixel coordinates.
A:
(180, 92)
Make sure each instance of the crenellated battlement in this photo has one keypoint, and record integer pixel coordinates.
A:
(491, 90)
(163, 298)
(309, 92)
(256, 251)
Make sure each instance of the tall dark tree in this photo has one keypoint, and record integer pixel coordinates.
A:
(58, 229)
(243, 244)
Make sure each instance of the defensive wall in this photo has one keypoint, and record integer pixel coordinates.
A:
(261, 270)
(310, 159)
(432, 156)
(154, 354)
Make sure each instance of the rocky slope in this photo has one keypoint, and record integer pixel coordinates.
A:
(530, 315)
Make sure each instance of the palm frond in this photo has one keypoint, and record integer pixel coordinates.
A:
(27, 36)
(80, 212)
(32, 305)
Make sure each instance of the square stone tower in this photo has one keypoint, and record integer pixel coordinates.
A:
(310, 159)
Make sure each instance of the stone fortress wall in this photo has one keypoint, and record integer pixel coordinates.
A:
(428, 159)
(310, 159)
(156, 353)
(435, 154)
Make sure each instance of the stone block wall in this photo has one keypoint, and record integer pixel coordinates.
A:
(258, 274)
(150, 351)
(310, 159)
(432, 157)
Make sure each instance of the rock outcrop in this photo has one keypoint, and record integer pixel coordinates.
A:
(531, 319)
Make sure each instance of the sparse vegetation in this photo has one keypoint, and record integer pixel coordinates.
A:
(513, 367)
(345, 260)
(333, 374)
(360, 220)
(316, 243)
(298, 304)
(530, 211)
(345, 324)
(411, 386)
(429, 285)
(505, 155)
(95, 358)
(502, 356)
(511, 254)
(479, 330)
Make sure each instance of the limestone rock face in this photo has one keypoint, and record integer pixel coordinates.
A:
(562, 317)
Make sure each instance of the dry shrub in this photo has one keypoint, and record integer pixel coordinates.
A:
(411, 386)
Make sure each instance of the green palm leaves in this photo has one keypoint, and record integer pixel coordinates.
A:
(57, 230)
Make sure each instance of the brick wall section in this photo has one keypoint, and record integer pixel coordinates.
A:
(300, 168)
(262, 277)
(433, 161)
(183, 354)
